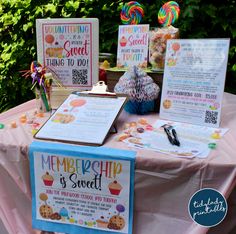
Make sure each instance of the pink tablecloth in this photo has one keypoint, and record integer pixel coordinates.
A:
(163, 184)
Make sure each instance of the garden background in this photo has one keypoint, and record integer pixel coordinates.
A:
(198, 19)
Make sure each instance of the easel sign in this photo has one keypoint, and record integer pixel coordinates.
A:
(79, 189)
(194, 78)
(69, 47)
(132, 45)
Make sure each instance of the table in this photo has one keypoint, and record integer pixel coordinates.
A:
(163, 184)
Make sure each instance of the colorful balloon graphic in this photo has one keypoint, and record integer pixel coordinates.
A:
(49, 38)
(77, 102)
(64, 212)
(176, 46)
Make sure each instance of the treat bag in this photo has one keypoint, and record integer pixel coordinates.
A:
(157, 45)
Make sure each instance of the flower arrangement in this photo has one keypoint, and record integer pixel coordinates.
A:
(41, 81)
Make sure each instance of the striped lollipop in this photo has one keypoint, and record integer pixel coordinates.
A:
(168, 13)
(132, 13)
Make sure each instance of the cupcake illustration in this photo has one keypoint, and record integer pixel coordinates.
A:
(47, 179)
(55, 50)
(102, 222)
(115, 188)
(123, 41)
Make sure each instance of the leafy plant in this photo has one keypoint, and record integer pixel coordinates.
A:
(198, 19)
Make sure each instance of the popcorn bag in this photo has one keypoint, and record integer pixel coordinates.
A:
(157, 45)
(141, 90)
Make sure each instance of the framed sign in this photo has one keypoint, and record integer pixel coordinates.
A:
(78, 189)
(132, 45)
(69, 47)
(194, 78)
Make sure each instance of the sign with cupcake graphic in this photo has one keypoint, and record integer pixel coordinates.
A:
(69, 48)
(132, 46)
(75, 189)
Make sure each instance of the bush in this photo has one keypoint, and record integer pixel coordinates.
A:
(198, 19)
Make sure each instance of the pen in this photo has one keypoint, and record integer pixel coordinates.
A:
(176, 140)
(168, 135)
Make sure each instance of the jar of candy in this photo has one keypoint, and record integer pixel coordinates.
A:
(106, 60)
(157, 45)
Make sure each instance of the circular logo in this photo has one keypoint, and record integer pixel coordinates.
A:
(207, 207)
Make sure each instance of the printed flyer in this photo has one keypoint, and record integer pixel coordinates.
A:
(132, 45)
(69, 48)
(82, 119)
(194, 78)
(76, 189)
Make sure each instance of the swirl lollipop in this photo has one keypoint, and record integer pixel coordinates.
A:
(168, 13)
(132, 13)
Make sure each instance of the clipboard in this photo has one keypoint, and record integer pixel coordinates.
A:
(84, 118)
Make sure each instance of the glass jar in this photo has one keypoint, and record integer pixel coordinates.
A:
(157, 45)
(106, 60)
(42, 99)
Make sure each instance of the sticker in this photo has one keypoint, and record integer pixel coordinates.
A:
(207, 207)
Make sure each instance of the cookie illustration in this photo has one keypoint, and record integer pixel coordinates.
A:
(167, 104)
(55, 216)
(45, 211)
(63, 118)
(116, 222)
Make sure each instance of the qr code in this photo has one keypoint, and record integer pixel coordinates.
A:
(211, 117)
(80, 76)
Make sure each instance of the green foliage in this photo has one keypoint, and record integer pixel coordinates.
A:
(198, 19)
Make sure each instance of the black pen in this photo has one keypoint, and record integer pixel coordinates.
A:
(168, 135)
(176, 140)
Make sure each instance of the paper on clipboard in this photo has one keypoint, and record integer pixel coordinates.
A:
(83, 119)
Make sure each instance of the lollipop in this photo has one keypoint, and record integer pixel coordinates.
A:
(43, 196)
(120, 208)
(168, 13)
(176, 47)
(131, 13)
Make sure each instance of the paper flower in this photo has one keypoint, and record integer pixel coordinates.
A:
(41, 80)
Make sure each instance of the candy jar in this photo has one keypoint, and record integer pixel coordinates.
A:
(157, 45)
